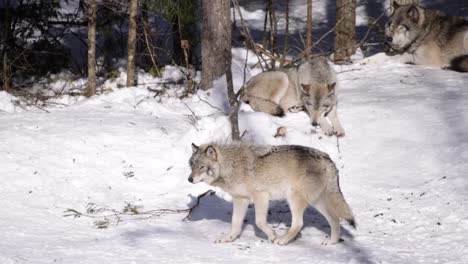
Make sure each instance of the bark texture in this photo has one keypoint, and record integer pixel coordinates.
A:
(91, 89)
(132, 32)
(216, 39)
(308, 46)
(345, 31)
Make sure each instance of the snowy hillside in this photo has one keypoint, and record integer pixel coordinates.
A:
(403, 167)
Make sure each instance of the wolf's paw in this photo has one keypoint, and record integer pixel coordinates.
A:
(272, 238)
(327, 130)
(283, 240)
(226, 239)
(339, 132)
(329, 241)
(296, 109)
(376, 59)
(446, 67)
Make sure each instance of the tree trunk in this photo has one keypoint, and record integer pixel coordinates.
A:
(308, 46)
(216, 39)
(273, 32)
(6, 73)
(232, 97)
(149, 36)
(91, 90)
(132, 30)
(345, 31)
(286, 35)
(265, 22)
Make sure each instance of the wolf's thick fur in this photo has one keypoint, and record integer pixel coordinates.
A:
(301, 175)
(430, 37)
(310, 86)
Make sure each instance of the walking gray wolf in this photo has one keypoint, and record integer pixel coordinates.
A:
(310, 86)
(301, 175)
(429, 37)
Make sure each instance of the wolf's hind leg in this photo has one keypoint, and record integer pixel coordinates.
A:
(261, 201)
(334, 222)
(266, 106)
(240, 206)
(297, 205)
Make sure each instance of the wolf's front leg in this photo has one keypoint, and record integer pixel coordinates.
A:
(325, 127)
(240, 206)
(379, 58)
(337, 128)
(261, 200)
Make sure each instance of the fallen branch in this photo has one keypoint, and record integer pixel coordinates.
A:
(212, 106)
(105, 215)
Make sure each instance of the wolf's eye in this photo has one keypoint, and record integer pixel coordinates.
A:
(202, 167)
(326, 105)
(403, 27)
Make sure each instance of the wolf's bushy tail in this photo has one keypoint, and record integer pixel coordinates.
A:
(340, 208)
(263, 105)
(336, 201)
(459, 63)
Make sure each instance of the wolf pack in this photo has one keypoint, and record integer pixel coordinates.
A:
(301, 175)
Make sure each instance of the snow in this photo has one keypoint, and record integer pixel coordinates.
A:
(7, 102)
(402, 164)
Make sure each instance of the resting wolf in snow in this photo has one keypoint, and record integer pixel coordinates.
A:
(426, 36)
(311, 86)
(301, 175)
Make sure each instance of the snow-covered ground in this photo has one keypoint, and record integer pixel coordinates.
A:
(403, 166)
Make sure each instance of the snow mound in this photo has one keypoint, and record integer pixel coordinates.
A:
(7, 102)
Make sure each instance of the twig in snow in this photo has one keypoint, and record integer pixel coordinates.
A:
(212, 106)
(338, 146)
(193, 119)
(106, 215)
(349, 71)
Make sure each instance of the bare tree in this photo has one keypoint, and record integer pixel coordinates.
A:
(308, 45)
(286, 35)
(232, 97)
(345, 32)
(273, 31)
(216, 39)
(132, 32)
(91, 89)
(6, 74)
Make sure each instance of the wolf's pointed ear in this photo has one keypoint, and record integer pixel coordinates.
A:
(211, 153)
(413, 13)
(331, 87)
(395, 5)
(195, 148)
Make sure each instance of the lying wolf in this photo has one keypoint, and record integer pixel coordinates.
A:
(303, 176)
(430, 37)
(311, 86)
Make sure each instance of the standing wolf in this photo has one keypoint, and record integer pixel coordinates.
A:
(303, 176)
(425, 36)
(310, 86)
